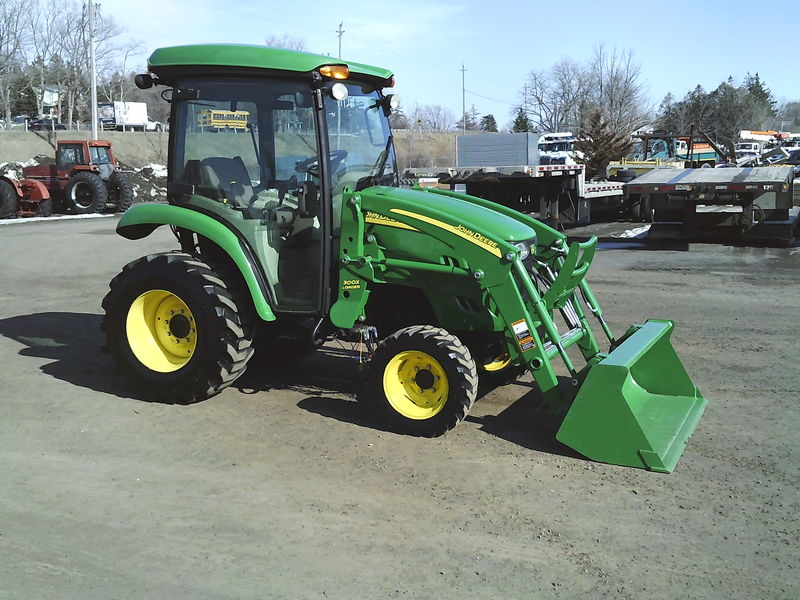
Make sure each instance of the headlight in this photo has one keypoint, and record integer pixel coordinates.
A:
(524, 249)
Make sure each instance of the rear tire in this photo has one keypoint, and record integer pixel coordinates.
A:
(46, 207)
(8, 201)
(120, 191)
(86, 193)
(422, 381)
(173, 328)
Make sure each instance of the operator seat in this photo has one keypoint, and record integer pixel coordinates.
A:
(230, 176)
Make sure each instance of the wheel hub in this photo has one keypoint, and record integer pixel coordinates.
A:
(161, 331)
(415, 384)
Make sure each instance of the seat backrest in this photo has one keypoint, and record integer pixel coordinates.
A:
(230, 175)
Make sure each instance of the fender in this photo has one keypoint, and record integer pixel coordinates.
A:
(141, 220)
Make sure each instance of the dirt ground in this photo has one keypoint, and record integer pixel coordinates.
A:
(283, 488)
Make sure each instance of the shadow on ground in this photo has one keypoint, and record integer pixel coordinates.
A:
(72, 344)
(525, 420)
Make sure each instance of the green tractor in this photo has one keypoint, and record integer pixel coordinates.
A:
(292, 231)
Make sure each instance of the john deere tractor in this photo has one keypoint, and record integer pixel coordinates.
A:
(292, 231)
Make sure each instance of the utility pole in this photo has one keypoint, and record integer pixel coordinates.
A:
(463, 101)
(339, 33)
(92, 67)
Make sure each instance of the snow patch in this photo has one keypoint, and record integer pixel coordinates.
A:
(156, 169)
(635, 232)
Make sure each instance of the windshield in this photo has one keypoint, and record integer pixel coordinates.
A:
(100, 155)
(360, 141)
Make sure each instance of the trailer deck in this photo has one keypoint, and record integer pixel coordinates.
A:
(720, 204)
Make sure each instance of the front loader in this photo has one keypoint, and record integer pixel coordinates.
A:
(292, 231)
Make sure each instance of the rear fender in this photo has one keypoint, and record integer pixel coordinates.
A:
(14, 184)
(28, 190)
(141, 220)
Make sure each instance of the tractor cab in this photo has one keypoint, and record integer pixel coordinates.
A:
(273, 154)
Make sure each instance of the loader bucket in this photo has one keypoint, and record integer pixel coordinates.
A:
(637, 407)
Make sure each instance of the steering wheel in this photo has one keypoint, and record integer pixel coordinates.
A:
(310, 165)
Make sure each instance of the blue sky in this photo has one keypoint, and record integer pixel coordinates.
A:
(679, 43)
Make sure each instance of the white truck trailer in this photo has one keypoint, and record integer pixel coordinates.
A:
(122, 116)
(507, 168)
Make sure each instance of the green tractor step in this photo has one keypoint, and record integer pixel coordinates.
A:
(637, 407)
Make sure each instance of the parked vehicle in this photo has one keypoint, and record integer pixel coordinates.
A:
(516, 170)
(18, 122)
(121, 116)
(85, 178)
(46, 125)
(753, 203)
(558, 148)
(743, 149)
(153, 125)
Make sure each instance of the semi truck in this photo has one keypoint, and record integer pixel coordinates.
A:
(512, 169)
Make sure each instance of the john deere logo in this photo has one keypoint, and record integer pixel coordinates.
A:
(477, 236)
(379, 219)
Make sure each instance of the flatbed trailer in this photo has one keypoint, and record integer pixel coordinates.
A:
(717, 204)
(556, 194)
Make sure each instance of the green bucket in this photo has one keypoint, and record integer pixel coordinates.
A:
(637, 407)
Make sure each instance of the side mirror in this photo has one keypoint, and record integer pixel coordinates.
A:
(143, 81)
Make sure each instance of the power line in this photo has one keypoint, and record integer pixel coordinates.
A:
(488, 98)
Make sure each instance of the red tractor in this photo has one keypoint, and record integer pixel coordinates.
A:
(85, 178)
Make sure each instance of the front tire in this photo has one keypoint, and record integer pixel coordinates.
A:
(120, 191)
(86, 193)
(422, 381)
(174, 329)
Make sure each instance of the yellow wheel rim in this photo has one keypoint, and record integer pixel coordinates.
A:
(161, 331)
(499, 363)
(415, 385)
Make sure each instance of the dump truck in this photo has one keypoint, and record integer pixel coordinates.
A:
(732, 203)
(522, 172)
(84, 179)
(296, 233)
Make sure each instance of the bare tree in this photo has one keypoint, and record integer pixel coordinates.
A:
(617, 90)
(15, 32)
(433, 117)
(552, 98)
(285, 41)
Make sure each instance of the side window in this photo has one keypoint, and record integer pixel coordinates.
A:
(70, 156)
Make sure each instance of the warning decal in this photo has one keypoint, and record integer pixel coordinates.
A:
(523, 334)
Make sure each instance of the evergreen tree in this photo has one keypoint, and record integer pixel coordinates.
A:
(601, 144)
(488, 123)
(521, 122)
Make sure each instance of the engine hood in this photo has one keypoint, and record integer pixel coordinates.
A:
(484, 220)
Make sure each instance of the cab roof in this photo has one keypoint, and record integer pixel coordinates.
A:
(166, 62)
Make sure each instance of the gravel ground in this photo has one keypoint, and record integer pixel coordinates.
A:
(281, 487)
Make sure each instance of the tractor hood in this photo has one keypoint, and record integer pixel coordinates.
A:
(399, 203)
